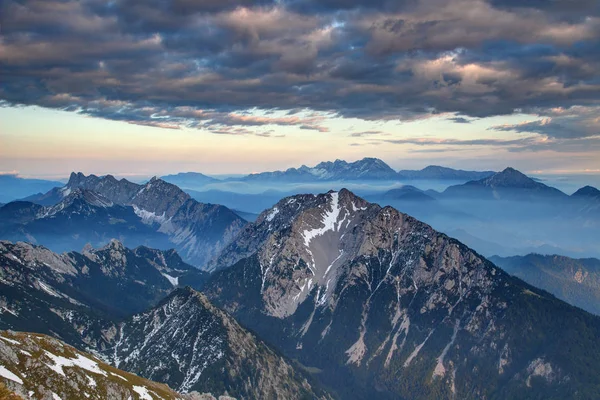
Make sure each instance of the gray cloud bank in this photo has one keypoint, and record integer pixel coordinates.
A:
(204, 64)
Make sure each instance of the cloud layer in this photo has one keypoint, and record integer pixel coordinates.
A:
(227, 65)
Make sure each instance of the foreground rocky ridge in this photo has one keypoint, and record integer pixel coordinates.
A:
(381, 303)
(40, 367)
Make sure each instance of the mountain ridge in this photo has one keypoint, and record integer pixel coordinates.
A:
(197, 230)
(203, 348)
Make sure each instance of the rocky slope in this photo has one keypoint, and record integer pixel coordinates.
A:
(197, 230)
(379, 304)
(576, 281)
(75, 295)
(189, 344)
(34, 366)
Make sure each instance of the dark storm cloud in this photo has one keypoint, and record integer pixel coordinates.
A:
(203, 63)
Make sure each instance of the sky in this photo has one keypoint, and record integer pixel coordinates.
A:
(149, 87)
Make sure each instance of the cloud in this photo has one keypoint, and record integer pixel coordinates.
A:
(562, 123)
(366, 133)
(205, 64)
(460, 120)
(456, 142)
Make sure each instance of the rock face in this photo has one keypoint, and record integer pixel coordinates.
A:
(75, 295)
(381, 304)
(40, 367)
(162, 213)
(576, 281)
(188, 343)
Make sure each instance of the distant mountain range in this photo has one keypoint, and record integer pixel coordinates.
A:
(95, 209)
(366, 169)
(13, 187)
(385, 306)
(576, 281)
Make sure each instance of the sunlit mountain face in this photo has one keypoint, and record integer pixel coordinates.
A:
(300, 199)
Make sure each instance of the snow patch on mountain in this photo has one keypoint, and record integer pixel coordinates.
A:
(60, 362)
(329, 221)
(174, 280)
(5, 373)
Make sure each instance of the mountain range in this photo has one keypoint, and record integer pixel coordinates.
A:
(336, 297)
(576, 281)
(200, 347)
(381, 304)
(157, 214)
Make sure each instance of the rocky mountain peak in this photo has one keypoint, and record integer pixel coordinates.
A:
(320, 235)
